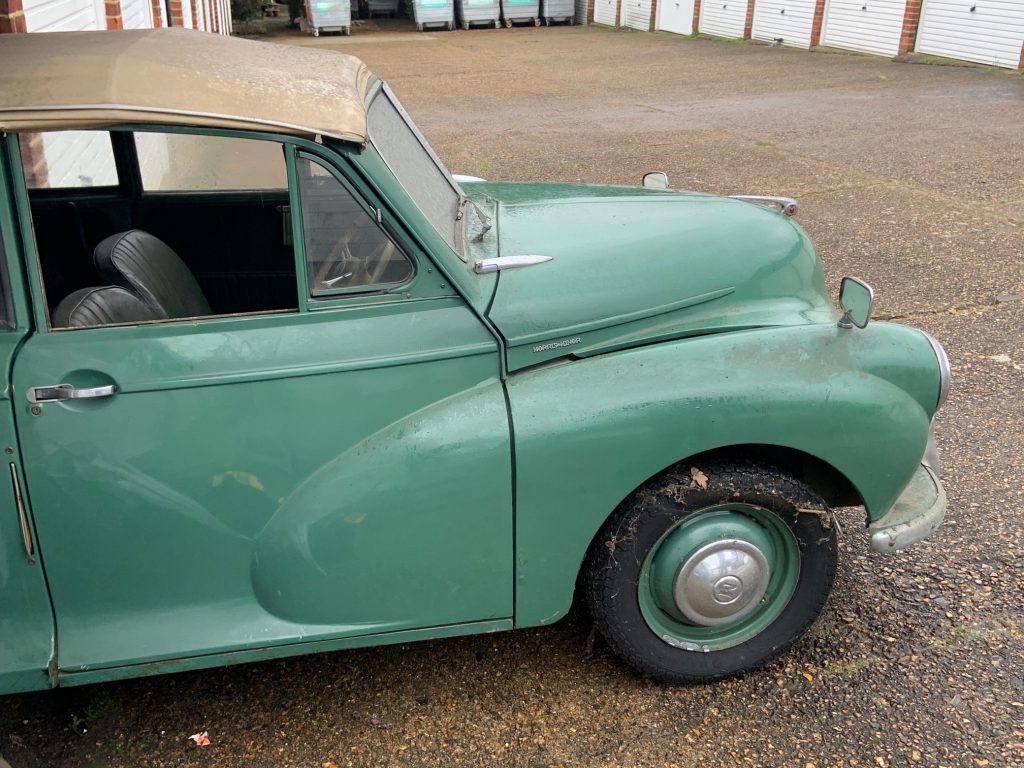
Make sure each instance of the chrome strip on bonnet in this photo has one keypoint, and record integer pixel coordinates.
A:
(498, 263)
(787, 205)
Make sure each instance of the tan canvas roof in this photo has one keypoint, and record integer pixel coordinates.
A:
(178, 77)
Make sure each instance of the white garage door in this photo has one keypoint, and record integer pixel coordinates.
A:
(872, 26)
(675, 16)
(64, 15)
(606, 12)
(785, 21)
(636, 14)
(986, 31)
(723, 18)
(136, 14)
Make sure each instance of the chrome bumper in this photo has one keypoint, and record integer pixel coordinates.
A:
(917, 512)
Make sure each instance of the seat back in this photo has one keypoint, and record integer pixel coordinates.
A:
(145, 265)
(102, 306)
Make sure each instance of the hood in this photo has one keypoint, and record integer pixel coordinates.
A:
(631, 266)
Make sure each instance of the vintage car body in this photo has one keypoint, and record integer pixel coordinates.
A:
(387, 462)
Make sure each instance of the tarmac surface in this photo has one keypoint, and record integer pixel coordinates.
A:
(911, 177)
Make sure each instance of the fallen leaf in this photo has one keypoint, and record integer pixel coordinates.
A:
(699, 477)
(808, 677)
(201, 739)
(915, 755)
(880, 761)
(980, 762)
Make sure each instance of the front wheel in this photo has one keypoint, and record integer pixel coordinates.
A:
(708, 572)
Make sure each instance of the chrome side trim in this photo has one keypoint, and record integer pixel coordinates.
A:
(26, 532)
(787, 205)
(945, 375)
(485, 266)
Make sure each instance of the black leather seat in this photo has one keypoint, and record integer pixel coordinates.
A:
(147, 282)
(102, 306)
(148, 267)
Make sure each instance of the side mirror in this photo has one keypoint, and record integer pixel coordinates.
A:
(656, 180)
(855, 299)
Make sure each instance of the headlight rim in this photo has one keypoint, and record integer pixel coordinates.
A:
(945, 373)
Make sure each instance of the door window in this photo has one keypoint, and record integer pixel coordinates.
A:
(67, 160)
(183, 162)
(346, 248)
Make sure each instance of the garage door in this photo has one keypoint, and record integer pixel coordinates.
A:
(985, 31)
(64, 15)
(784, 21)
(136, 14)
(723, 18)
(675, 16)
(872, 26)
(606, 12)
(636, 14)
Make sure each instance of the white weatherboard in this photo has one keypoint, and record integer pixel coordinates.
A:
(984, 31)
(871, 26)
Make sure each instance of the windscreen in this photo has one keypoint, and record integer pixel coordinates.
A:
(426, 181)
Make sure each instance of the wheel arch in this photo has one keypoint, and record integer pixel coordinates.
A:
(825, 480)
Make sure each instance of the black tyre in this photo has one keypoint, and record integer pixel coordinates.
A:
(707, 572)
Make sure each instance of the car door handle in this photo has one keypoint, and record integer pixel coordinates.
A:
(56, 392)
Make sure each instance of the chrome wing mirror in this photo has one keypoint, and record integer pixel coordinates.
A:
(655, 180)
(855, 299)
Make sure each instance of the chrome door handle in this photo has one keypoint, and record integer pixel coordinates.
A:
(56, 392)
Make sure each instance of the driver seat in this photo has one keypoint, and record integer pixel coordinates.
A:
(146, 266)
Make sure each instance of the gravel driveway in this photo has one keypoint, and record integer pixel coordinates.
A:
(910, 177)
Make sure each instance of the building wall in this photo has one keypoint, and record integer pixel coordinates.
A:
(18, 16)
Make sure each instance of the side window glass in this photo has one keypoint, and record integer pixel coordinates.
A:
(67, 160)
(345, 246)
(182, 162)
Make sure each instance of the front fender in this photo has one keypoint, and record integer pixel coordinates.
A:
(589, 432)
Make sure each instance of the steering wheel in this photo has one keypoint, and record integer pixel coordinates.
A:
(342, 269)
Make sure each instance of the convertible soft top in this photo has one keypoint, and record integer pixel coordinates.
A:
(64, 80)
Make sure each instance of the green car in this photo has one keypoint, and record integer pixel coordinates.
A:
(278, 383)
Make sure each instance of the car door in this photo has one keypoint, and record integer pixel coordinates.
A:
(243, 481)
(26, 619)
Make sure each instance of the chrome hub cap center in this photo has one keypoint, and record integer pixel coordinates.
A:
(721, 582)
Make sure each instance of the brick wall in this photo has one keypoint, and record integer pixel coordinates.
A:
(748, 25)
(156, 5)
(911, 18)
(590, 11)
(33, 160)
(1021, 65)
(819, 17)
(176, 20)
(113, 12)
(654, 15)
(12, 17)
(696, 14)
(195, 17)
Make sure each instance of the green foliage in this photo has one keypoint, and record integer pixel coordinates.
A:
(246, 10)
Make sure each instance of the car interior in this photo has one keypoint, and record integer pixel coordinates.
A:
(144, 227)
(120, 253)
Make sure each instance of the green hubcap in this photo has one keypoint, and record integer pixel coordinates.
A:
(719, 577)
